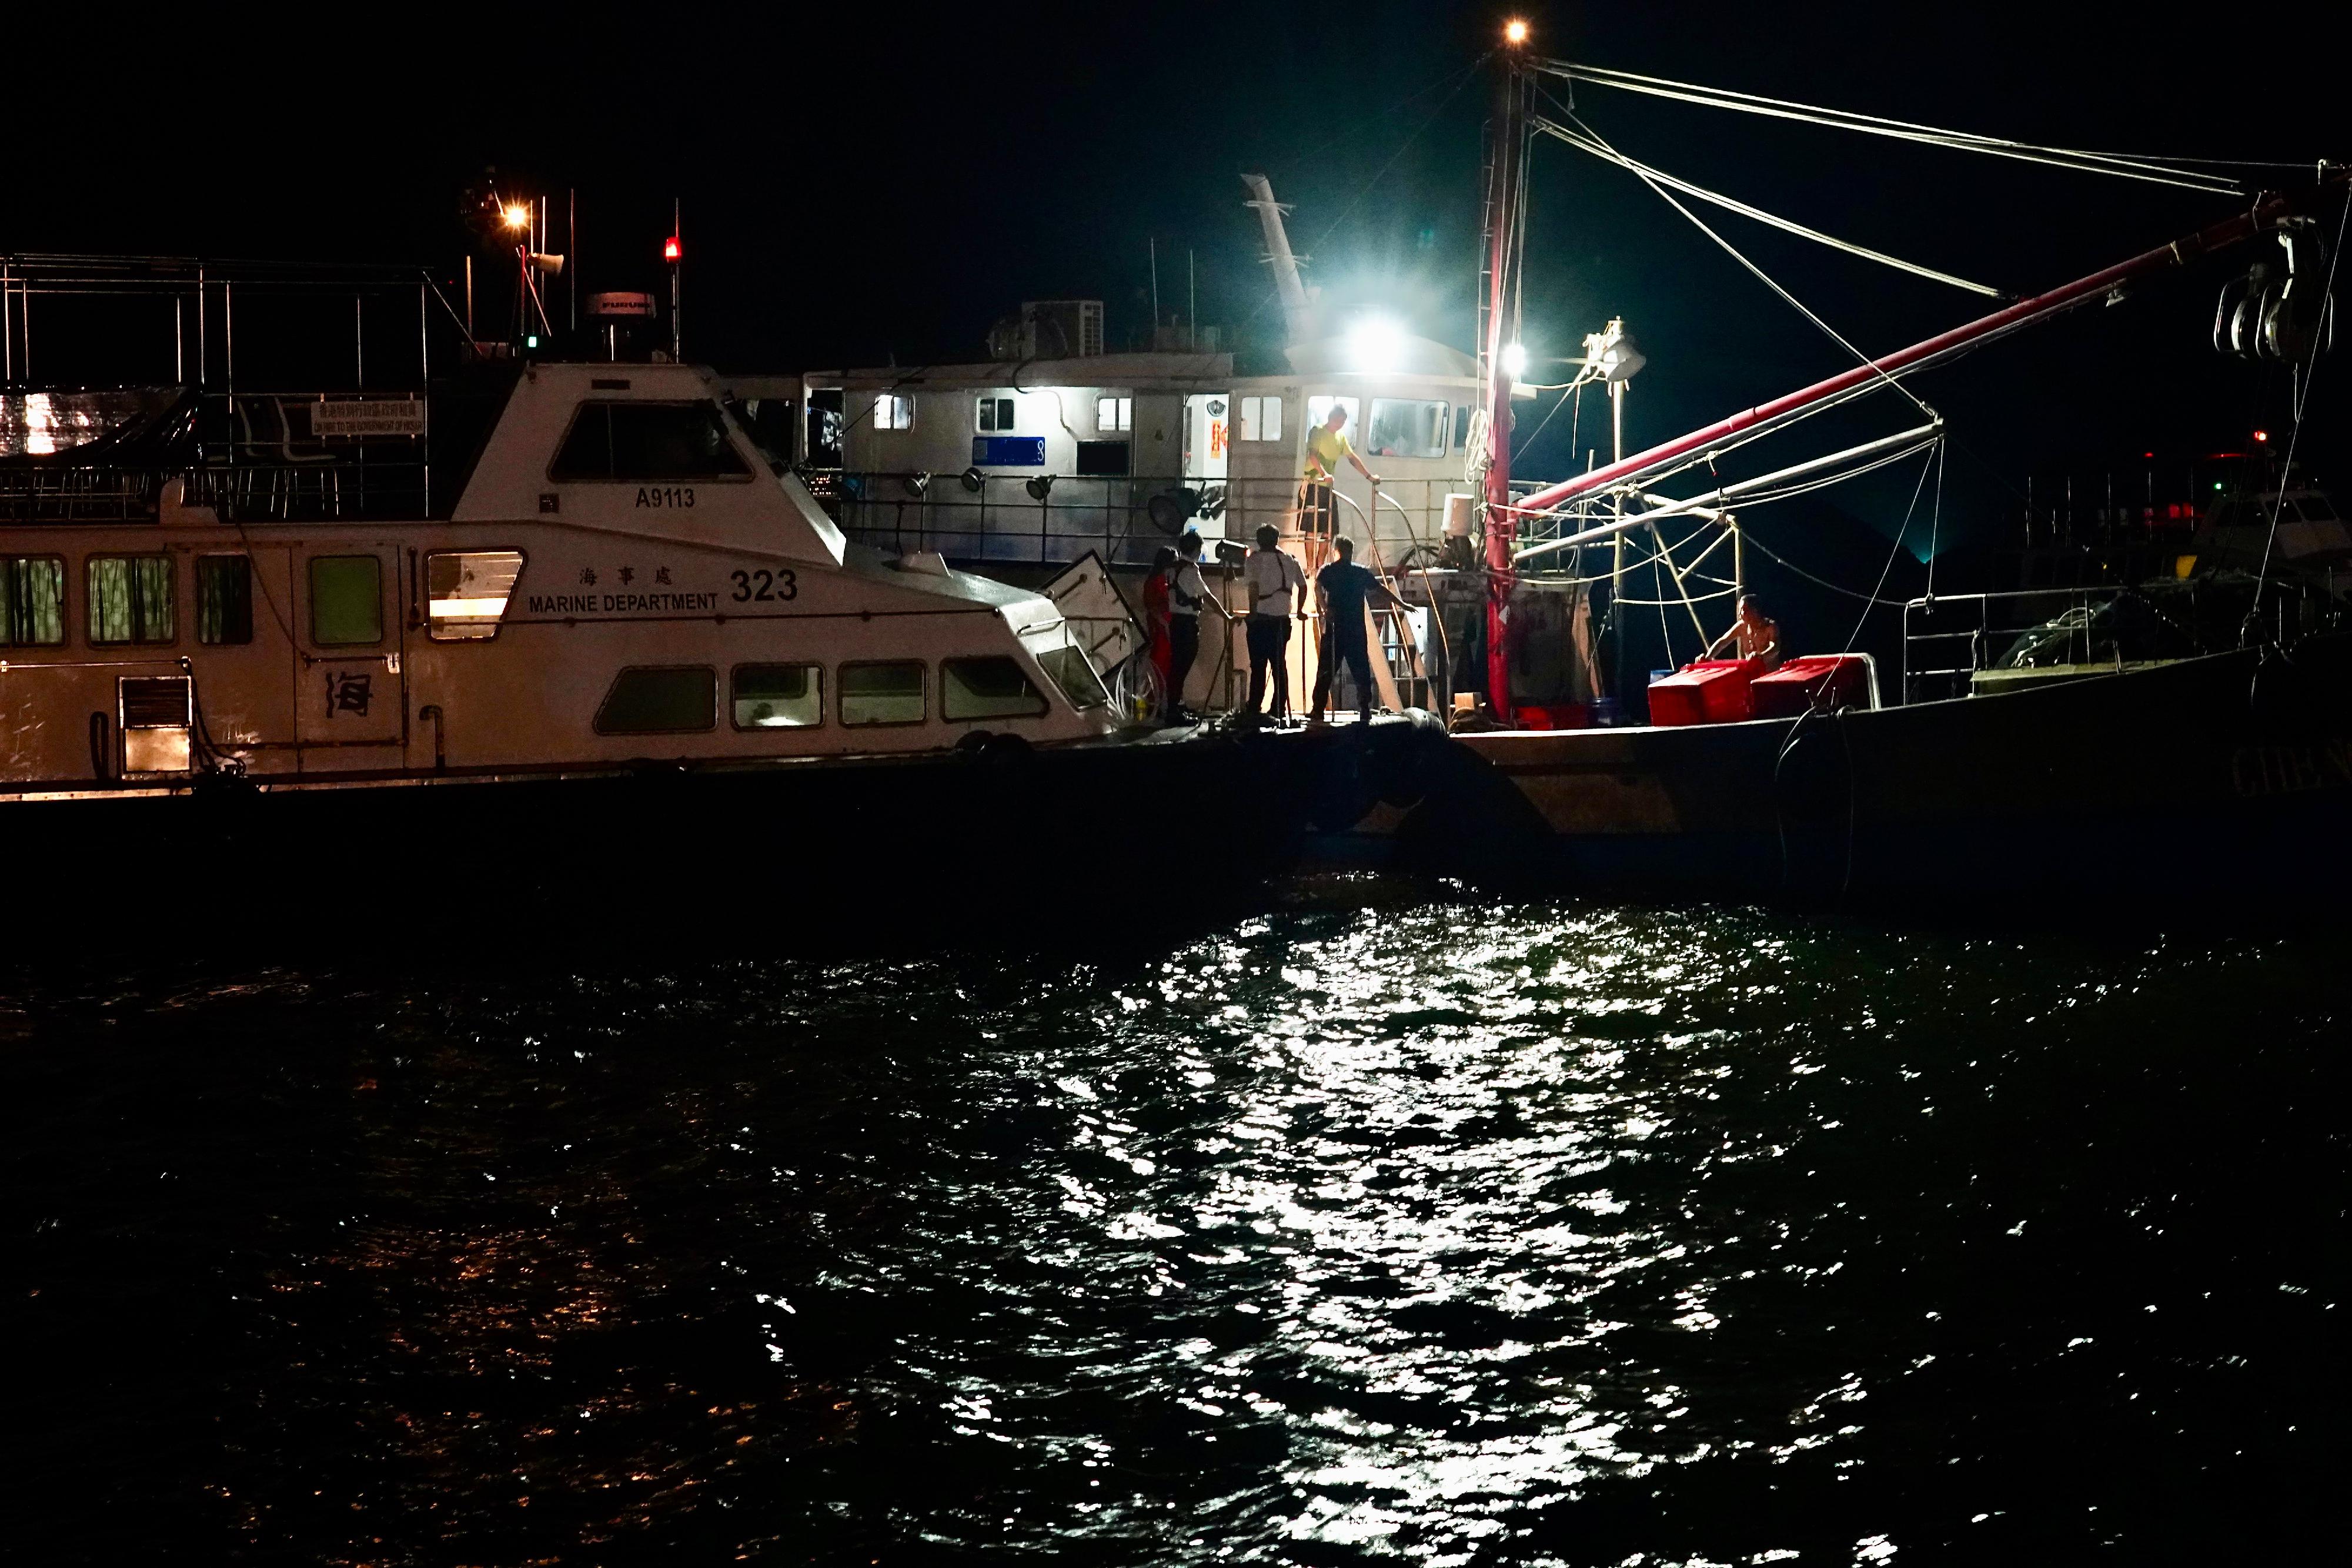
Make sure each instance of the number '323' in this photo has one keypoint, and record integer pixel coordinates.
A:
(764, 586)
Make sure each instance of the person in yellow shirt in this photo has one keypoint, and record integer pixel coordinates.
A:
(1326, 449)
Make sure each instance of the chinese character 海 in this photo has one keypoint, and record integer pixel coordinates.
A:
(348, 692)
(588, 576)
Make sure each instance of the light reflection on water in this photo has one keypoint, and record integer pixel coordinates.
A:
(1453, 1235)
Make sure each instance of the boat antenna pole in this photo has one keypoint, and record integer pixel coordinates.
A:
(1505, 194)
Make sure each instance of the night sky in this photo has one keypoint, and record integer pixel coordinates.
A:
(878, 184)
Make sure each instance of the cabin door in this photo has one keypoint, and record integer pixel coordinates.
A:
(348, 694)
(1208, 436)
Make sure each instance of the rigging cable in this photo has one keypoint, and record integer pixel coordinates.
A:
(1758, 214)
(1936, 524)
(1895, 549)
(1733, 251)
(2077, 158)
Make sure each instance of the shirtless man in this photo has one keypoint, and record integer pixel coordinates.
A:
(1755, 634)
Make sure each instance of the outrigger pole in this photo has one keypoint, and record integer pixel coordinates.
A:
(1506, 196)
(1767, 417)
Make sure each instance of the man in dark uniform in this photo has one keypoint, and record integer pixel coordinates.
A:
(1344, 589)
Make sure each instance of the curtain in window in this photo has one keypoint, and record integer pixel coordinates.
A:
(224, 600)
(32, 601)
(131, 599)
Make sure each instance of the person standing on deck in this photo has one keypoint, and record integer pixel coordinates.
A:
(1343, 590)
(1187, 592)
(1156, 617)
(1755, 634)
(1277, 589)
(1318, 511)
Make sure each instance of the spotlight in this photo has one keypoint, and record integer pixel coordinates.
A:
(917, 484)
(1376, 343)
(1039, 487)
(972, 479)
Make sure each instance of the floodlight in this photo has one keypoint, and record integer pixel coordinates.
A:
(516, 215)
(1515, 359)
(1515, 31)
(1376, 343)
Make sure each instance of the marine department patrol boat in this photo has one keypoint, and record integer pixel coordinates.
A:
(564, 622)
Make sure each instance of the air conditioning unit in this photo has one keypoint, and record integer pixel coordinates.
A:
(156, 713)
(1061, 329)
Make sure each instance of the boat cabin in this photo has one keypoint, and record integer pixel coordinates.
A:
(512, 566)
(1037, 461)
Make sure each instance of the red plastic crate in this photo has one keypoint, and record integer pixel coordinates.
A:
(1711, 690)
(1556, 715)
(1828, 680)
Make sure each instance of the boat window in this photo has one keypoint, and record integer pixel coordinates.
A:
(1408, 428)
(1261, 419)
(779, 696)
(646, 442)
(1067, 666)
(882, 693)
(993, 687)
(1461, 425)
(1113, 414)
(1319, 409)
(1102, 459)
(346, 600)
(894, 410)
(465, 593)
(994, 413)
(32, 601)
(660, 699)
(131, 599)
(224, 600)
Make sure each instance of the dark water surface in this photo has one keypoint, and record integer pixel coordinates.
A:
(1457, 1234)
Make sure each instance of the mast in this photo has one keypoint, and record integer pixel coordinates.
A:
(1862, 379)
(1506, 194)
(1298, 309)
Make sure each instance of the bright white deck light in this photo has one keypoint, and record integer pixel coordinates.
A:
(1515, 359)
(1376, 343)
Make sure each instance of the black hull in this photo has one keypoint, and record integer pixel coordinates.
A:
(876, 849)
(2217, 785)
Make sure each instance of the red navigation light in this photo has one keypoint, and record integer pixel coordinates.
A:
(2147, 454)
(670, 248)
(2262, 435)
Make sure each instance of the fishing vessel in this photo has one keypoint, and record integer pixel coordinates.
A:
(513, 625)
(2223, 767)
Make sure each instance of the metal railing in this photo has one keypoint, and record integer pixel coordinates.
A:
(1051, 520)
(1963, 632)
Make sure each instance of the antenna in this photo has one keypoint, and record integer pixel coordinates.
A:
(1153, 245)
